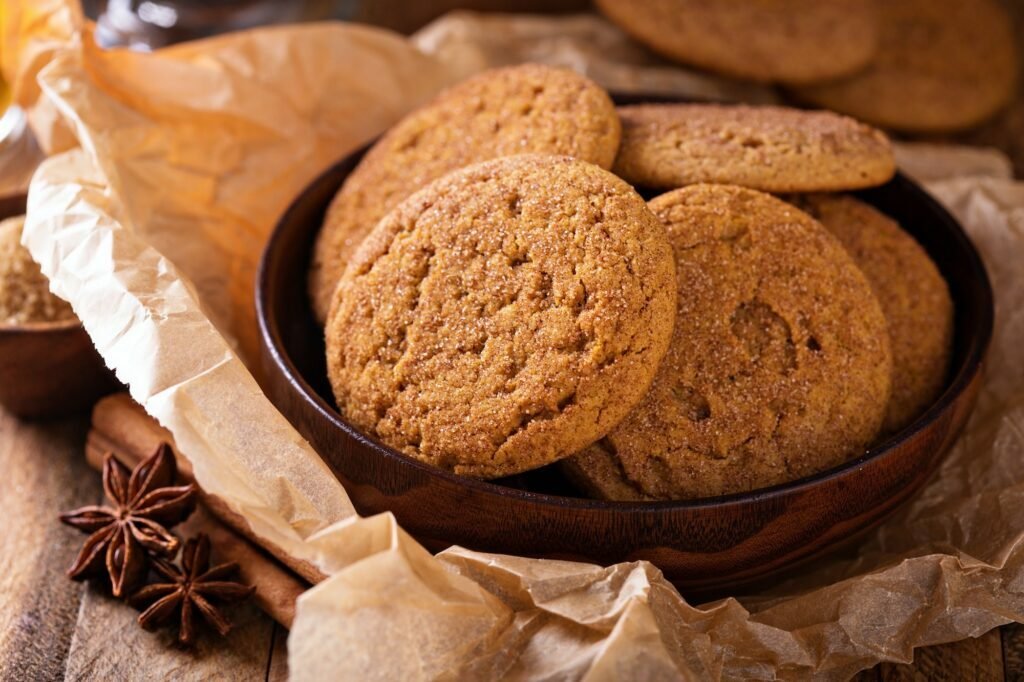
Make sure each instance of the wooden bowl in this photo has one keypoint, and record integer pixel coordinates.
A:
(48, 369)
(703, 546)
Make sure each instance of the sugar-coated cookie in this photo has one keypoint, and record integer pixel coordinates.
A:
(773, 149)
(779, 365)
(912, 292)
(513, 110)
(503, 317)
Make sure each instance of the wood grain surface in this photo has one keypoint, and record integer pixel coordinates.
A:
(39, 606)
(50, 370)
(52, 628)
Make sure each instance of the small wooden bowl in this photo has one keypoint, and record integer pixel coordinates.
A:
(48, 369)
(703, 546)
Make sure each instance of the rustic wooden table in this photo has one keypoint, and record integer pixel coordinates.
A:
(52, 628)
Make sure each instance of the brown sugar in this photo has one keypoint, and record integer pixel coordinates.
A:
(25, 296)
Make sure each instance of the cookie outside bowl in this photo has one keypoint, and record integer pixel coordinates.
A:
(48, 369)
(704, 545)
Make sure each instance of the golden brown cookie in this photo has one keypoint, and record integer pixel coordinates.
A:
(515, 110)
(598, 473)
(779, 365)
(503, 317)
(942, 65)
(791, 41)
(913, 295)
(773, 149)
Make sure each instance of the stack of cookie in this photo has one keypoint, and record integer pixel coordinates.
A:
(921, 66)
(497, 296)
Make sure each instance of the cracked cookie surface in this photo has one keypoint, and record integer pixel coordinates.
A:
(912, 292)
(523, 109)
(779, 365)
(503, 317)
(773, 149)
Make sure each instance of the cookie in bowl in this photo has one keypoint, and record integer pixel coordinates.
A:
(523, 109)
(914, 298)
(772, 149)
(504, 317)
(701, 545)
(779, 367)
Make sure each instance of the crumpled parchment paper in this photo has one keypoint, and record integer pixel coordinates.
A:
(469, 41)
(151, 227)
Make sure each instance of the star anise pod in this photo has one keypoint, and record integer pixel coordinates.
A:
(193, 587)
(145, 504)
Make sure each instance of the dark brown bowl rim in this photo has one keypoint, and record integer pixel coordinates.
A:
(70, 324)
(973, 357)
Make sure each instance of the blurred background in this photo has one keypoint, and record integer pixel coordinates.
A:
(149, 24)
(159, 22)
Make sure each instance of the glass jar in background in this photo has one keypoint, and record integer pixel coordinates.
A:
(19, 153)
(149, 24)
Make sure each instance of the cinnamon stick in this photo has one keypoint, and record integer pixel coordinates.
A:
(122, 427)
